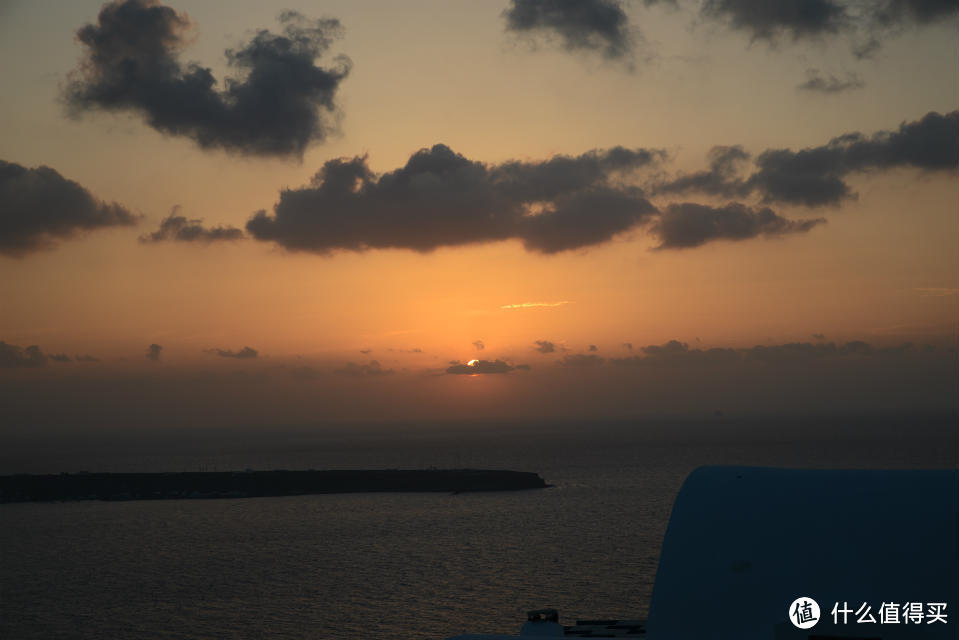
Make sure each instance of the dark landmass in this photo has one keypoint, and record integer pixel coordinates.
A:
(250, 484)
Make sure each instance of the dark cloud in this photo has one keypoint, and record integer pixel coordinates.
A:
(581, 25)
(484, 366)
(478, 345)
(153, 352)
(13, 356)
(687, 225)
(545, 346)
(366, 351)
(897, 12)
(819, 336)
(278, 103)
(676, 351)
(724, 165)
(40, 206)
(769, 20)
(372, 368)
(586, 218)
(628, 346)
(178, 228)
(881, 19)
(441, 198)
(817, 82)
(593, 347)
(244, 353)
(806, 350)
(582, 360)
(671, 347)
(815, 176)
(865, 24)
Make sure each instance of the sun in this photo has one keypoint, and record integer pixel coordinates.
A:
(471, 363)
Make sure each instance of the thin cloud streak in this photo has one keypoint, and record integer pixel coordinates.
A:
(534, 305)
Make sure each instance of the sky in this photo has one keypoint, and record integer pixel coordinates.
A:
(291, 213)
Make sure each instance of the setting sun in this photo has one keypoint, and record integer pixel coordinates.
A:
(263, 235)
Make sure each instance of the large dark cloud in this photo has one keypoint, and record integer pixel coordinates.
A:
(441, 198)
(13, 356)
(177, 228)
(484, 366)
(815, 176)
(687, 225)
(602, 26)
(279, 102)
(39, 206)
(580, 25)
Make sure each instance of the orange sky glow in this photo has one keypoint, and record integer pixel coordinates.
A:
(360, 303)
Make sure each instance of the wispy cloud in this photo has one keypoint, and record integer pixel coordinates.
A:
(534, 305)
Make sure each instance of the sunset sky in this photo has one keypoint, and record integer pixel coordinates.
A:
(294, 212)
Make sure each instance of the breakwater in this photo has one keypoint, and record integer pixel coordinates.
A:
(249, 484)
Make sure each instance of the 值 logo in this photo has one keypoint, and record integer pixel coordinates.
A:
(803, 612)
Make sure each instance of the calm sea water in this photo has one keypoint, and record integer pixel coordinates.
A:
(388, 565)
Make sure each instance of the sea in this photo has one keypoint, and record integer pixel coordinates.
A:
(403, 565)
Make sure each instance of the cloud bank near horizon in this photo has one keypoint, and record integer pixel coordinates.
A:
(672, 377)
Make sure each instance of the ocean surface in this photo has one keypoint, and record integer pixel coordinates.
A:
(389, 565)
